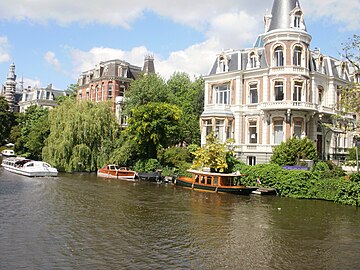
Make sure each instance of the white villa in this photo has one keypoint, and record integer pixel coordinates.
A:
(278, 89)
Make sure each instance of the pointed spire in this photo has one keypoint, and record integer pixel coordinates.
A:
(283, 16)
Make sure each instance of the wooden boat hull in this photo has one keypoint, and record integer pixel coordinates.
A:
(110, 171)
(238, 190)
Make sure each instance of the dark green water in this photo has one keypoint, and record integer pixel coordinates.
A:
(84, 222)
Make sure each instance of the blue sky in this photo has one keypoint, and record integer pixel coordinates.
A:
(54, 41)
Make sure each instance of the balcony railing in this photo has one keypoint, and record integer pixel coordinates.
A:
(288, 104)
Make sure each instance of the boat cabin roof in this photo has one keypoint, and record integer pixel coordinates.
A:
(237, 174)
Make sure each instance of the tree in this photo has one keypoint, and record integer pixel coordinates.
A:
(148, 88)
(7, 119)
(34, 129)
(213, 155)
(82, 136)
(189, 96)
(350, 94)
(294, 149)
(154, 126)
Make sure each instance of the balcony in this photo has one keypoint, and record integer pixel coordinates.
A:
(289, 70)
(288, 104)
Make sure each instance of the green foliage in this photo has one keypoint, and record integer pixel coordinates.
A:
(350, 94)
(294, 149)
(213, 155)
(146, 89)
(7, 120)
(178, 157)
(154, 126)
(149, 165)
(189, 97)
(355, 177)
(304, 184)
(82, 136)
(34, 129)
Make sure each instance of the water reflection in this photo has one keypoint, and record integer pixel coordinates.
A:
(80, 221)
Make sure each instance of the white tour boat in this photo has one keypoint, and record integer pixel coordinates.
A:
(28, 167)
(8, 153)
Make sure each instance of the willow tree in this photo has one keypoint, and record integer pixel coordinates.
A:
(81, 136)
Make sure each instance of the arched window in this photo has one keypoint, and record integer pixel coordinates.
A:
(297, 91)
(279, 56)
(297, 56)
(110, 90)
(279, 91)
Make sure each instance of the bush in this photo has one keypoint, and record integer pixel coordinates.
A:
(149, 165)
(294, 149)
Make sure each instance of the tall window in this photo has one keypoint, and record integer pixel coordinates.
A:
(297, 56)
(122, 91)
(321, 95)
(229, 129)
(253, 93)
(219, 132)
(222, 93)
(97, 92)
(297, 91)
(102, 91)
(278, 132)
(297, 129)
(252, 132)
(208, 126)
(279, 91)
(357, 77)
(110, 90)
(279, 56)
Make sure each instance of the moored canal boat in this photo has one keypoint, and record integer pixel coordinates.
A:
(117, 172)
(215, 182)
(28, 167)
(8, 153)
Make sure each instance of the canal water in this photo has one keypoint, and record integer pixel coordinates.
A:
(83, 222)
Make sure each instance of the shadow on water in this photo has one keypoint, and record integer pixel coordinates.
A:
(81, 221)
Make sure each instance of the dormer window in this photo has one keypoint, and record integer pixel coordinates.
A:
(321, 64)
(253, 60)
(222, 64)
(297, 20)
(279, 56)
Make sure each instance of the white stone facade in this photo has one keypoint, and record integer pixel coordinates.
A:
(278, 89)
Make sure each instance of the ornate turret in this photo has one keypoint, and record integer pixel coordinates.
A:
(10, 86)
(286, 14)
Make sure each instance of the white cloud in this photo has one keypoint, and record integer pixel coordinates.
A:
(51, 59)
(343, 12)
(4, 44)
(30, 82)
(193, 13)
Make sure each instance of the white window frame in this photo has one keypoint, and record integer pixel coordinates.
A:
(222, 94)
(278, 85)
(280, 140)
(297, 92)
(297, 56)
(253, 136)
(253, 88)
(279, 58)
